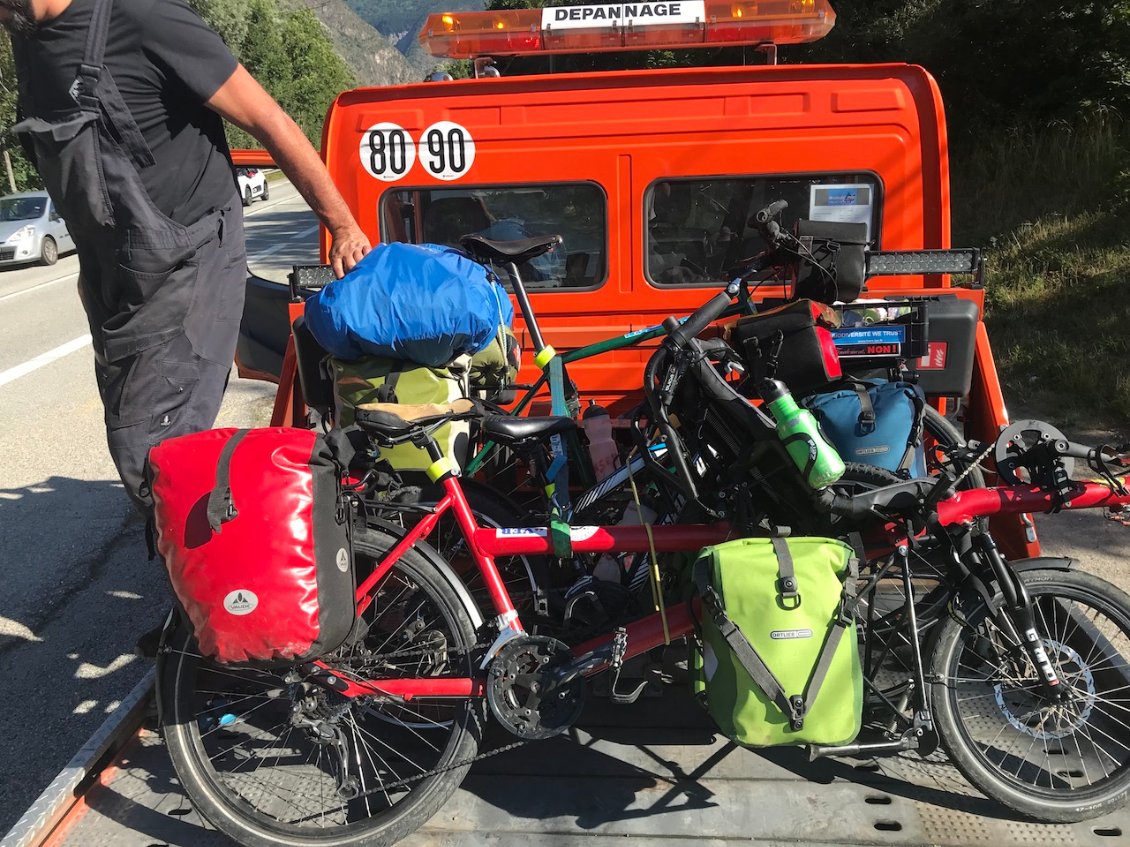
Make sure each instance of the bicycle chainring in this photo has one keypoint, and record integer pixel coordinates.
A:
(523, 693)
(1018, 460)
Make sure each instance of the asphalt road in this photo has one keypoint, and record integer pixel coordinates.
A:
(77, 588)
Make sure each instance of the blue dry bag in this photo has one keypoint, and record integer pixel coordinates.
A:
(419, 302)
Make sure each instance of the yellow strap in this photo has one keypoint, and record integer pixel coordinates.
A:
(439, 468)
(656, 586)
(544, 356)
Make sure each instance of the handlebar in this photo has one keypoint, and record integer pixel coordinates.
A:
(1072, 450)
(679, 335)
(771, 211)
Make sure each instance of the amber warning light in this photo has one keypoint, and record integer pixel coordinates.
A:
(626, 26)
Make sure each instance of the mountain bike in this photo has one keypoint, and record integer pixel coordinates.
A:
(363, 745)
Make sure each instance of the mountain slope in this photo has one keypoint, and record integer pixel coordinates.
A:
(401, 23)
(370, 55)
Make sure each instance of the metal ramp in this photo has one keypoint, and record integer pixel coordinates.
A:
(654, 772)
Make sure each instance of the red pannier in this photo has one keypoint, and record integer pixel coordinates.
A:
(254, 530)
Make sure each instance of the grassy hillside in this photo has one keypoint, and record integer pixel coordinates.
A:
(1054, 209)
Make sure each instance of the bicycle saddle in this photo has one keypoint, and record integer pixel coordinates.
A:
(398, 419)
(508, 429)
(522, 250)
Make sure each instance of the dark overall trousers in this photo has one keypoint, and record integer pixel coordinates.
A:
(163, 300)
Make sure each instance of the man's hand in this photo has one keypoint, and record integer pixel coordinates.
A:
(348, 246)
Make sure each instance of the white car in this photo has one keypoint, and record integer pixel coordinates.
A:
(252, 185)
(31, 230)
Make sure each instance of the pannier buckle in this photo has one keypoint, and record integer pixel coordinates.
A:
(796, 719)
(787, 587)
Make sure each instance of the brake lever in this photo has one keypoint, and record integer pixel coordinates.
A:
(672, 378)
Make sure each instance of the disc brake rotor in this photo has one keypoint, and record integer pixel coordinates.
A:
(523, 693)
(1044, 720)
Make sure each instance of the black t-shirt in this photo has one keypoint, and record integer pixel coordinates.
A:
(167, 63)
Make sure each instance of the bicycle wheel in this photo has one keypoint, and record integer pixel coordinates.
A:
(1055, 761)
(269, 759)
(939, 437)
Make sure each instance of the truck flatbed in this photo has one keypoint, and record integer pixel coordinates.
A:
(656, 772)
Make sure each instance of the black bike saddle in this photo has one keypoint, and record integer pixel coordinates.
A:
(508, 429)
(522, 250)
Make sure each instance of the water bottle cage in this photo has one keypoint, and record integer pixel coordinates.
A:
(812, 452)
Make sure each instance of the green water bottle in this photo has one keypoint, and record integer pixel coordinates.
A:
(798, 430)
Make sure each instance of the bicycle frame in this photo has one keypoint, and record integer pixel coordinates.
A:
(655, 629)
(965, 506)
(485, 544)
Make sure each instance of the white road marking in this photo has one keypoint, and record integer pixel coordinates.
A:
(39, 285)
(43, 359)
(261, 208)
(262, 254)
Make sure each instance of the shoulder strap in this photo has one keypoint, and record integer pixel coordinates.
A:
(221, 507)
(844, 616)
(387, 392)
(90, 71)
(754, 665)
(915, 437)
(96, 91)
(786, 585)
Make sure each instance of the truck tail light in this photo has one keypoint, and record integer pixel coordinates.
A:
(666, 24)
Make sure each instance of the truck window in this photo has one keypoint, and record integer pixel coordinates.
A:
(575, 211)
(698, 228)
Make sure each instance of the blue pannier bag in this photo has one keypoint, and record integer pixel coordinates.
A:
(874, 422)
(424, 303)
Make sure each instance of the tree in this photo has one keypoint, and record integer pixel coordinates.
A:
(316, 73)
(22, 171)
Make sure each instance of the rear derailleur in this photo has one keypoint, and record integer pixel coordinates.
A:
(313, 713)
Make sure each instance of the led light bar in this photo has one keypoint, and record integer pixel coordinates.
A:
(899, 262)
(661, 24)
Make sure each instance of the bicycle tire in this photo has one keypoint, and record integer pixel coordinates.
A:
(940, 435)
(272, 803)
(966, 659)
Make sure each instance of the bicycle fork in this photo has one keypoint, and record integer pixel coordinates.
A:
(1016, 617)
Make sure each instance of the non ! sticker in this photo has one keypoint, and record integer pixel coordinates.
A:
(387, 151)
(447, 150)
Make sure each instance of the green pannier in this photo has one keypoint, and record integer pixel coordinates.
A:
(494, 369)
(779, 661)
(378, 380)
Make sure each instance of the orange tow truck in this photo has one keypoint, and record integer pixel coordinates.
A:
(651, 177)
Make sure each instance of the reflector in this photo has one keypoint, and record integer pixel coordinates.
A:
(649, 25)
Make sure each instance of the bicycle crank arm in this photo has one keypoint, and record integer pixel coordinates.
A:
(584, 665)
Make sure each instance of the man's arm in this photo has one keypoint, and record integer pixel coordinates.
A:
(243, 101)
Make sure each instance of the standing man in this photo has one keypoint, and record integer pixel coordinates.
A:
(121, 104)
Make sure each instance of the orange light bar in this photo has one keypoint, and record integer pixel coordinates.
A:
(666, 24)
